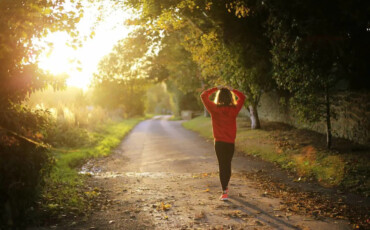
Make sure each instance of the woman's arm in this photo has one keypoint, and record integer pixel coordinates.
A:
(205, 99)
(240, 101)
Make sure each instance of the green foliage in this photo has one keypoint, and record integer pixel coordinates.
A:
(180, 70)
(65, 135)
(23, 167)
(23, 161)
(312, 51)
(70, 115)
(158, 100)
(224, 49)
(190, 101)
(69, 108)
(176, 96)
(52, 98)
(174, 66)
(237, 55)
(347, 170)
(202, 125)
(65, 192)
(318, 46)
(21, 23)
(23, 120)
(120, 82)
(129, 95)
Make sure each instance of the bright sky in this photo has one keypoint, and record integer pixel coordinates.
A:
(65, 59)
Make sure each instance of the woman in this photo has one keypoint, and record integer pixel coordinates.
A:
(223, 111)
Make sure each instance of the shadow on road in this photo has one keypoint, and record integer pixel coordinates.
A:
(265, 217)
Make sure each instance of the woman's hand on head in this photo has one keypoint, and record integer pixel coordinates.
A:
(229, 88)
(220, 86)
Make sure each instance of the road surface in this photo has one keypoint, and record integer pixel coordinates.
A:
(163, 176)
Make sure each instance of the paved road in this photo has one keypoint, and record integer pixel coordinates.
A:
(163, 176)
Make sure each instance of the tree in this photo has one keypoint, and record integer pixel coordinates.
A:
(227, 49)
(236, 65)
(128, 95)
(174, 66)
(24, 160)
(236, 51)
(21, 23)
(313, 50)
(121, 81)
(158, 100)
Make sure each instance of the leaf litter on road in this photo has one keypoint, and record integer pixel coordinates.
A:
(163, 206)
(312, 204)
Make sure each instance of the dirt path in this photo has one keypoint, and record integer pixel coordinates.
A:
(165, 177)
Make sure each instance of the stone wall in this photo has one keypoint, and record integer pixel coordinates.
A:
(352, 121)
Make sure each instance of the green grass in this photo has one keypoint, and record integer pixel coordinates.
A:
(150, 115)
(65, 191)
(175, 118)
(202, 125)
(284, 147)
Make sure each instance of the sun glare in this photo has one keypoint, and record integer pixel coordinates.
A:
(81, 62)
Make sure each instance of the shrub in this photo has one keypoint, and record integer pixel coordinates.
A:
(65, 135)
(23, 167)
(24, 162)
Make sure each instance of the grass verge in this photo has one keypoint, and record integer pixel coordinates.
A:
(301, 151)
(175, 118)
(65, 193)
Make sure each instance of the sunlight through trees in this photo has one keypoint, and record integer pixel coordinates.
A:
(134, 57)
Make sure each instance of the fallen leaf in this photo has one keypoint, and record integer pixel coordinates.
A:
(164, 207)
(258, 223)
(199, 215)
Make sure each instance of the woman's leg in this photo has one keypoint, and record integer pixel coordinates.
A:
(224, 152)
(229, 155)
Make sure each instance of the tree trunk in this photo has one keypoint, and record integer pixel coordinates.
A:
(205, 111)
(255, 121)
(328, 122)
(206, 114)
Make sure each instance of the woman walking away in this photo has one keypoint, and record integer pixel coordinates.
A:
(223, 111)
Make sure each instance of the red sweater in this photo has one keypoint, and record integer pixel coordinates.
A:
(223, 117)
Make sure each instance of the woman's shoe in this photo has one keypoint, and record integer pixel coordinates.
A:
(224, 196)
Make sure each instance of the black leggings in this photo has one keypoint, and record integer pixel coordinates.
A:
(225, 153)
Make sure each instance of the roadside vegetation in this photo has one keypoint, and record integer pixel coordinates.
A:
(173, 51)
(78, 131)
(49, 185)
(65, 193)
(346, 166)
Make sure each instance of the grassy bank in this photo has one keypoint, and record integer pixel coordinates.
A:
(301, 151)
(65, 193)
